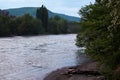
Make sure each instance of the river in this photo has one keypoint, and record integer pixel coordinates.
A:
(31, 58)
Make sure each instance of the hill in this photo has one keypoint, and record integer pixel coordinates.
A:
(32, 12)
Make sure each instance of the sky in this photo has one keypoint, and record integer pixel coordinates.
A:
(68, 7)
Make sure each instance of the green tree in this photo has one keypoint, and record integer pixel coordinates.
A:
(5, 20)
(94, 34)
(14, 24)
(53, 27)
(4, 25)
(28, 25)
(95, 20)
(58, 25)
(74, 27)
(42, 14)
(114, 36)
(23, 25)
(63, 26)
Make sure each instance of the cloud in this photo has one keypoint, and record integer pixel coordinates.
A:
(13, 0)
(69, 7)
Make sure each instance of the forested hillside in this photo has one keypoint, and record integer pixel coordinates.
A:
(32, 12)
(11, 25)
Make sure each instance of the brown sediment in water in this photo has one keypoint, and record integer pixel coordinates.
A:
(86, 71)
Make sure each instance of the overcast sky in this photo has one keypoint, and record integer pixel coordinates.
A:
(68, 7)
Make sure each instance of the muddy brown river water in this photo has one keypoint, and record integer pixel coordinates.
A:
(31, 58)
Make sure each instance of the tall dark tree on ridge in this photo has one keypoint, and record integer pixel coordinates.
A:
(42, 14)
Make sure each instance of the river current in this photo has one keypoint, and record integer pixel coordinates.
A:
(31, 58)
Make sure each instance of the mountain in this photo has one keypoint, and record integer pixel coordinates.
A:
(32, 12)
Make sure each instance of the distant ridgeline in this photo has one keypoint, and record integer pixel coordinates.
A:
(5, 13)
(32, 12)
(35, 21)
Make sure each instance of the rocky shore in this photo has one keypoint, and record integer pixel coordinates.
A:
(86, 71)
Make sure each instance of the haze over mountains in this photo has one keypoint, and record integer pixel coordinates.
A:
(32, 12)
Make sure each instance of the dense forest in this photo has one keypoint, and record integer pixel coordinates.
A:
(28, 25)
(100, 35)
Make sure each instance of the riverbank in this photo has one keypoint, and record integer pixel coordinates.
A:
(86, 71)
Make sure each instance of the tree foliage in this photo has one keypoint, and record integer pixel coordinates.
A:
(27, 25)
(114, 36)
(73, 27)
(24, 25)
(5, 19)
(4, 25)
(57, 25)
(42, 14)
(100, 34)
